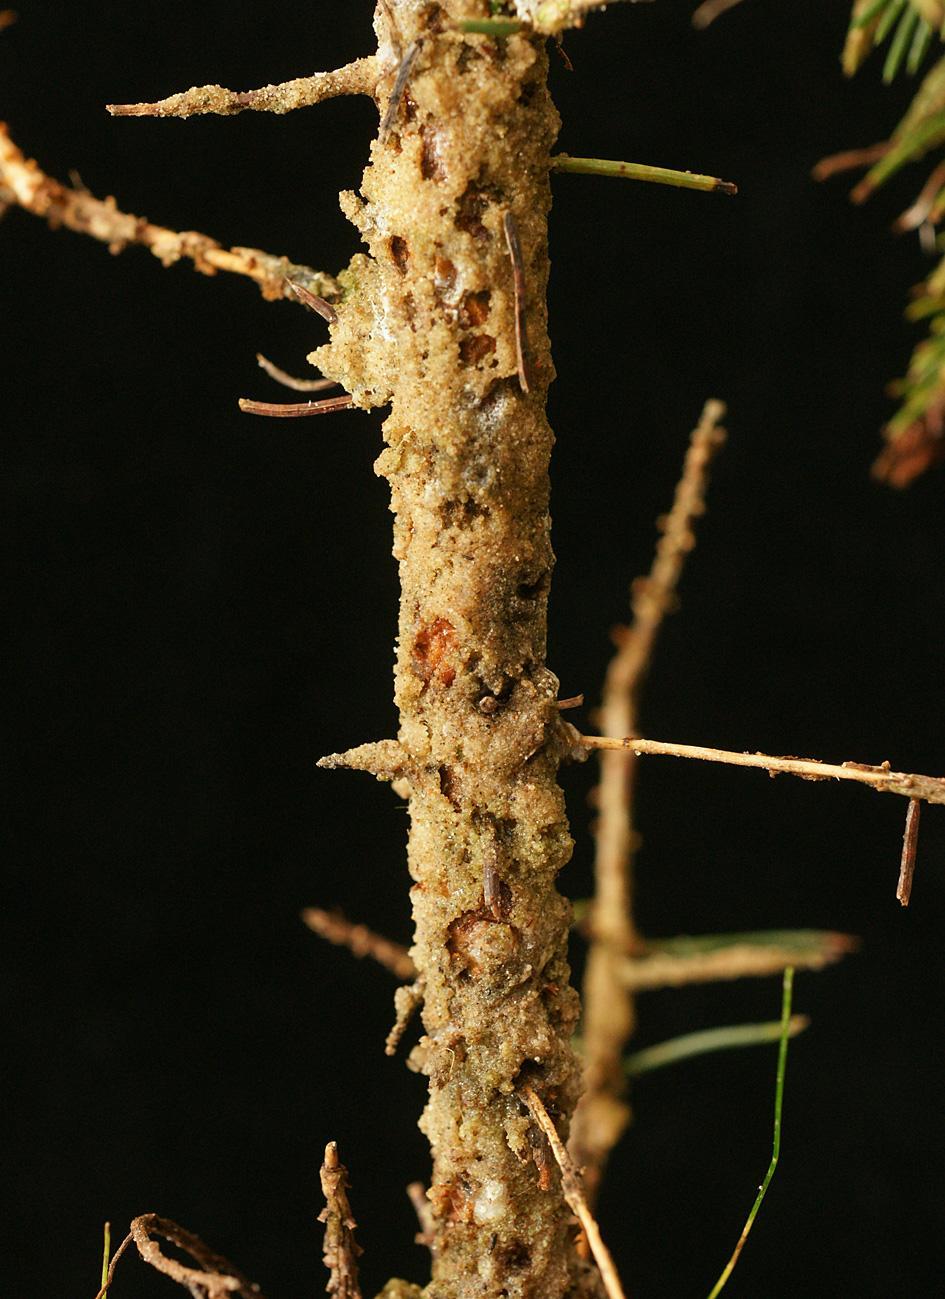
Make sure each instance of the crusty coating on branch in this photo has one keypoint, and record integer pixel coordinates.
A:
(356, 78)
(608, 1018)
(24, 184)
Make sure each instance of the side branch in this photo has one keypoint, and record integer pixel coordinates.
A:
(608, 1002)
(358, 78)
(928, 789)
(24, 184)
(360, 941)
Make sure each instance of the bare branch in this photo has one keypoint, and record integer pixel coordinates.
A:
(608, 1022)
(928, 789)
(358, 78)
(715, 958)
(341, 1250)
(361, 941)
(24, 183)
(574, 1194)
(910, 842)
(290, 381)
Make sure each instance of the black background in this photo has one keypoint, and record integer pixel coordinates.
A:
(203, 604)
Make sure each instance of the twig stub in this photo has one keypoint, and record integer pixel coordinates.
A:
(294, 410)
(341, 1250)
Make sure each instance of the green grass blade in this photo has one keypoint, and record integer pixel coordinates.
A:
(786, 997)
(491, 26)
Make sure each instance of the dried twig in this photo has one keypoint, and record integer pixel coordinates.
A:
(294, 410)
(523, 354)
(341, 1250)
(215, 1276)
(290, 381)
(910, 842)
(397, 94)
(788, 988)
(608, 1004)
(358, 78)
(679, 962)
(361, 941)
(24, 183)
(574, 1194)
(929, 789)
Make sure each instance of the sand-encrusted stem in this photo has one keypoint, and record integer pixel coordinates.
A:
(430, 326)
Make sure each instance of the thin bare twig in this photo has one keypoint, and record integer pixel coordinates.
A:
(294, 410)
(215, 1276)
(358, 78)
(929, 789)
(910, 842)
(522, 350)
(574, 1194)
(397, 94)
(361, 941)
(25, 184)
(608, 1003)
(733, 956)
(289, 380)
(341, 1250)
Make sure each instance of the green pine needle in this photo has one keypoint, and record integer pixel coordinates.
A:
(887, 21)
(728, 1038)
(899, 44)
(787, 992)
(640, 171)
(919, 47)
